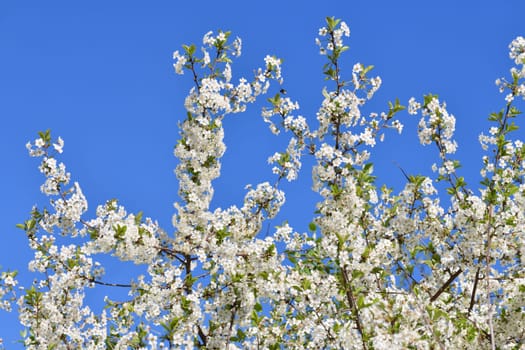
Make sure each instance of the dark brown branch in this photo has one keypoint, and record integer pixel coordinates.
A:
(353, 305)
(109, 284)
(446, 285)
(187, 267)
(473, 296)
(202, 336)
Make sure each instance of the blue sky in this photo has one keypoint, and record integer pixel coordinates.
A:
(100, 75)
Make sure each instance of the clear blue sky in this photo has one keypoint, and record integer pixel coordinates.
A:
(99, 74)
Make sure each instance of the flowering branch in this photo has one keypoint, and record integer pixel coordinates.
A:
(377, 269)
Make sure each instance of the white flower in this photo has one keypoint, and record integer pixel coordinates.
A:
(517, 50)
(227, 73)
(40, 142)
(273, 64)
(413, 106)
(237, 47)
(206, 58)
(179, 63)
(59, 145)
(396, 124)
(208, 39)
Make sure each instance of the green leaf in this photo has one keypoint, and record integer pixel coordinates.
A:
(511, 189)
(332, 23)
(312, 227)
(360, 301)
(428, 98)
(120, 231)
(366, 252)
(377, 269)
(270, 251)
(306, 284)
(357, 274)
(45, 135)
(367, 69)
(336, 191)
(494, 117)
(240, 335)
(185, 304)
(30, 224)
(221, 235)
(138, 218)
(190, 50)
(257, 307)
(275, 101)
(511, 127)
(330, 73)
(513, 112)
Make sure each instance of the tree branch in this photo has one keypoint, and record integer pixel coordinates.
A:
(353, 305)
(473, 296)
(446, 285)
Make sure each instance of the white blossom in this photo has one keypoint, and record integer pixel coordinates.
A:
(180, 61)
